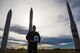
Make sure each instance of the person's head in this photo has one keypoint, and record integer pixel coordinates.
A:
(34, 28)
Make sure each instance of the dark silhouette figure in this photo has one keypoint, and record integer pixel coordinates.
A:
(33, 38)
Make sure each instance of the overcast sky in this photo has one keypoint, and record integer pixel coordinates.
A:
(50, 17)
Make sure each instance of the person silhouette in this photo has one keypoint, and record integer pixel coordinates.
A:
(33, 38)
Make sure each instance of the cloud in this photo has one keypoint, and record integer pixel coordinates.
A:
(54, 40)
(1, 29)
(18, 29)
(45, 46)
(0, 37)
(45, 40)
(62, 19)
(51, 9)
(76, 4)
(76, 10)
(69, 45)
(14, 39)
(13, 42)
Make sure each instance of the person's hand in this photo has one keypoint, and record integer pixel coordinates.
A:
(31, 41)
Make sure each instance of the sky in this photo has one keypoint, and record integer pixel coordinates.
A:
(50, 17)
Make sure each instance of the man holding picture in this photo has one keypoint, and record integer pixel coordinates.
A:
(33, 38)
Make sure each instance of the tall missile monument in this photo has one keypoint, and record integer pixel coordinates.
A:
(31, 20)
(6, 31)
(30, 24)
(73, 27)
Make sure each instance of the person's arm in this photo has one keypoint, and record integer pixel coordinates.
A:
(28, 37)
(39, 37)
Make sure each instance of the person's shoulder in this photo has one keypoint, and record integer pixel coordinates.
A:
(37, 32)
(30, 32)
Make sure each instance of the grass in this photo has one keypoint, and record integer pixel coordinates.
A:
(43, 51)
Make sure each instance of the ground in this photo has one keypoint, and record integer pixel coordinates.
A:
(42, 51)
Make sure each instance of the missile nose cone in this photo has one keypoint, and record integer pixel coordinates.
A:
(31, 13)
(31, 9)
(31, 19)
(10, 11)
(66, 1)
(67, 4)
